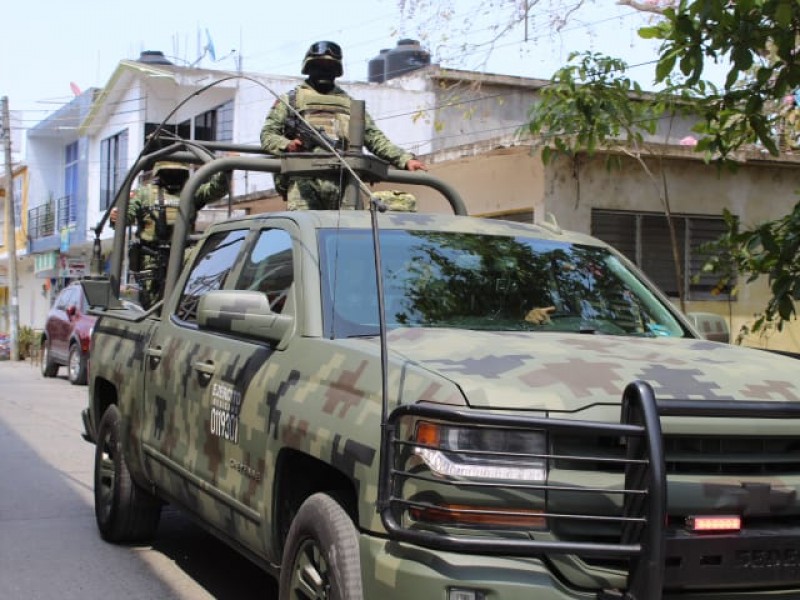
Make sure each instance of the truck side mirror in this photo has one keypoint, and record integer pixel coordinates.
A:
(243, 313)
(100, 294)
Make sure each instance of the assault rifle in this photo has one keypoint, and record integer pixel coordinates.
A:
(312, 138)
(148, 265)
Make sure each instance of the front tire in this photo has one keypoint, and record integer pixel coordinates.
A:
(321, 558)
(76, 366)
(124, 511)
(49, 368)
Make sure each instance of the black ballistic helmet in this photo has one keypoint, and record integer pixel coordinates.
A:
(324, 51)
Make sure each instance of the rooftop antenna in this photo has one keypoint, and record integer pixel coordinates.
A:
(208, 49)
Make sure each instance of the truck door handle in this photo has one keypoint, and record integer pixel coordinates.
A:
(205, 371)
(207, 368)
(154, 353)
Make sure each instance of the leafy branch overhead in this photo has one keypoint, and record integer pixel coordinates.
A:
(756, 107)
(771, 250)
(592, 103)
(757, 39)
(589, 105)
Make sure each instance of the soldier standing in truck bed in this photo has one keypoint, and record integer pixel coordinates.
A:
(327, 108)
(153, 209)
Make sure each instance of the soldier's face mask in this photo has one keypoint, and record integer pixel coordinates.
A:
(172, 180)
(321, 76)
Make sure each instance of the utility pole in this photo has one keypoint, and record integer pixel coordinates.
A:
(11, 239)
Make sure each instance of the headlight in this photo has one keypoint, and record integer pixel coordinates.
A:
(481, 452)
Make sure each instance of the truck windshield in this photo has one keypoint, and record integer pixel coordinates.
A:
(488, 282)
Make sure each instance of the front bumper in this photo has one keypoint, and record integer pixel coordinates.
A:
(399, 571)
(395, 571)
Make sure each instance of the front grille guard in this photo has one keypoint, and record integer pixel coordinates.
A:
(644, 494)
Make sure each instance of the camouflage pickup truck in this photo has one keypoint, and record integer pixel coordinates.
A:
(506, 411)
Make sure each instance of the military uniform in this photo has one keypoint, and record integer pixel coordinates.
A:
(154, 211)
(331, 113)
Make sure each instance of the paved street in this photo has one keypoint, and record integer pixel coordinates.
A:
(49, 545)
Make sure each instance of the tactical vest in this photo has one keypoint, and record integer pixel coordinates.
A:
(330, 112)
(155, 200)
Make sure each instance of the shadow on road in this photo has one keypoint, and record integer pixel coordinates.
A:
(224, 573)
(49, 544)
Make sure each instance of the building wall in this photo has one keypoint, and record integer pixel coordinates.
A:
(34, 294)
(756, 191)
(505, 180)
(129, 116)
(29, 305)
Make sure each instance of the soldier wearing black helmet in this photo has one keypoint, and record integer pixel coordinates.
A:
(153, 210)
(327, 108)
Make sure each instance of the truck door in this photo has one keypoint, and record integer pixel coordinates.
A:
(208, 393)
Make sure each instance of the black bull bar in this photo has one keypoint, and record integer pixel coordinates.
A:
(644, 540)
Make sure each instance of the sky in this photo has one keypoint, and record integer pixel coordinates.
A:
(52, 49)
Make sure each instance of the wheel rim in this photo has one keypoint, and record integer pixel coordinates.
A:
(74, 363)
(45, 357)
(106, 476)
(310, 575)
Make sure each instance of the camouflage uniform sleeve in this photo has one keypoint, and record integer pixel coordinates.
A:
(272, 139)
(134, 204)
(214, 189)
(382, 147)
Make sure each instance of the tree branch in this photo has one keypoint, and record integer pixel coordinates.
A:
(645, 6)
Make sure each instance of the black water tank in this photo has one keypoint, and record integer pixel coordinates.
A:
(376, 68)
(153, 57)
(407, 56)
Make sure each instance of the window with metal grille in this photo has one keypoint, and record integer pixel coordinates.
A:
(644, 238)
(71, 182)
(215, 125)
(113, 165)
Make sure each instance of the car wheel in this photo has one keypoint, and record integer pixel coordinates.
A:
(49, 368)
(124, 511)
(321, 558)
(76, 366)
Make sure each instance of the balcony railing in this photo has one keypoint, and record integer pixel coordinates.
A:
(41, 220)
(66, 212)
(49, 218)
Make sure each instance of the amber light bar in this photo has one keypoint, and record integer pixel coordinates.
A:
(714, 523)
(461, 514)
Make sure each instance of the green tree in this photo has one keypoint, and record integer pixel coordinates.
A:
(759, 40)
(592, 104)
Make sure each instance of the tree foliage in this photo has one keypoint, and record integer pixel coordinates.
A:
(590, 104)
(771, 250)
(758, 39)
(468, 31)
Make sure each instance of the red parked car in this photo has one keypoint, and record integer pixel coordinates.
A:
(66, 337)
